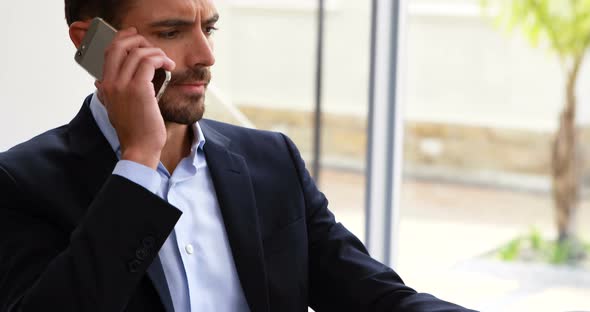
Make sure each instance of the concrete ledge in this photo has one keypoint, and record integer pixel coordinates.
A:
(506, 158)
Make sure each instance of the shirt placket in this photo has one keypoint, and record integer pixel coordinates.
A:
(187, 247)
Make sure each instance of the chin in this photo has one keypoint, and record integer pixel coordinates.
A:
(186, 111)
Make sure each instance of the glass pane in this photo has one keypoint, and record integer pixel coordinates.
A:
(482, 107)
(265, 74)
(345, 98)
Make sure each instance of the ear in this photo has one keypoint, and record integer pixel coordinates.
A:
(78, 31)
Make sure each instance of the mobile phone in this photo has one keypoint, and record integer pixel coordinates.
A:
(90, 55)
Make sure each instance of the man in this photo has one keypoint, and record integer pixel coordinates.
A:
(137, 205)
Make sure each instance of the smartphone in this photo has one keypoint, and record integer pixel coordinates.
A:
(90, 55)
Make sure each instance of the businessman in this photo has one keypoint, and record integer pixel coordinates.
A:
(140, 205)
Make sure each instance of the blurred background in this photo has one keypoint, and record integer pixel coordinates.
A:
(493, 208)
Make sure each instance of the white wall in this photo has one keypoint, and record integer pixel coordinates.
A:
(41, 86)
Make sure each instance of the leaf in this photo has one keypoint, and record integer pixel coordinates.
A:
(536, 240)
(563, 24)
(511, 251)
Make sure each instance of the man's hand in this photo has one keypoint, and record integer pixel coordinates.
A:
(129, 96)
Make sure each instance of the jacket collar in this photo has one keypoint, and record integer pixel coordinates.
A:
(84, 134)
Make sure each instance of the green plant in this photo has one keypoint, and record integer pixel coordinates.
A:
(564, 25)
(511, 251)
(560, 253)
(533, 247)
(536, 240)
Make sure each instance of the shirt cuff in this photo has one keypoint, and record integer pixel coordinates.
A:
(139, 174)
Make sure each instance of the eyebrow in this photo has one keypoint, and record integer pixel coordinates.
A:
(181, 23)
(172, 23)
(213, 19)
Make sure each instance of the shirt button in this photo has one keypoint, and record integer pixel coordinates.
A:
(189, 249)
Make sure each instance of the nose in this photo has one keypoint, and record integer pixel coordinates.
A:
(201, 51)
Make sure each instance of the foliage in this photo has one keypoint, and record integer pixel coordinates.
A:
(533, 247)
(511, 251)
(563, 24)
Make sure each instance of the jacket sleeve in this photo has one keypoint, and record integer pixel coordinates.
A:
(342, 275)
(97, 267)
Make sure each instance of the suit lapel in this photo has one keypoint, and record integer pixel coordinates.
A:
(96, 161)
(233, 186)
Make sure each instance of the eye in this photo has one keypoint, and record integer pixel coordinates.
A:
(209, 30)
(168, 34)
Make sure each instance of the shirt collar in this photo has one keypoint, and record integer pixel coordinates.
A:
(101, 117)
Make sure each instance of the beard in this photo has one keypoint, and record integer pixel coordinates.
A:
(180, 108)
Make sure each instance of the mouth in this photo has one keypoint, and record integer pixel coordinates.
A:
(192, 87)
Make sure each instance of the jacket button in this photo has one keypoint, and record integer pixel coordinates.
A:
(148, 242)
(141, 254)
(133, 266)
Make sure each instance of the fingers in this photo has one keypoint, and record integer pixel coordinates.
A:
(130, 64)
(136, 57)
(132, 60)
(117, 52)
(146, 68)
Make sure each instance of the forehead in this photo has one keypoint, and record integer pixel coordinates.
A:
(150, 10)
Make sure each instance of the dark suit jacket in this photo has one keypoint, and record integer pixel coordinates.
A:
(74, 237)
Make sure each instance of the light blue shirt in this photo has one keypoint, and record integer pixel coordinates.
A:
(196, 258)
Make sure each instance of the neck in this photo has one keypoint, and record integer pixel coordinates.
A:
(178, 145)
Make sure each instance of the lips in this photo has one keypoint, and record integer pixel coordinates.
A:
(192, 84)
(192, 87)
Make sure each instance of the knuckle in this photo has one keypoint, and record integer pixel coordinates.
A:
(115, 88)
(121, 33)
(145, 42)
(112, 48)
(155, 59)
(117, 45)
(135, 53)
(108, 51)
(150, 61)
(106, 86)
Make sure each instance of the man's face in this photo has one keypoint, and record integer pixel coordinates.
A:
(183, 29)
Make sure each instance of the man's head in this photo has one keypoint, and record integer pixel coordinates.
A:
(181, 28)
(109, 10)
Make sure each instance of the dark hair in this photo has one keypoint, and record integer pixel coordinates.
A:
(109, 10)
